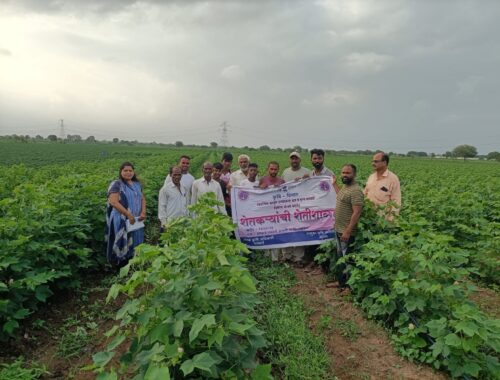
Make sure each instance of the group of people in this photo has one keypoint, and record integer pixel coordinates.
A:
(127, 206)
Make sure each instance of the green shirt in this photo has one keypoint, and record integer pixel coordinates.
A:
(348, 196)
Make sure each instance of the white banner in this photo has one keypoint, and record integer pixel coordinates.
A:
(293, 214)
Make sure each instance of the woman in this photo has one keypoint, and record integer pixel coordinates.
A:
(126, 203)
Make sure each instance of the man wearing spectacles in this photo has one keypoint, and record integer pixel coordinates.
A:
(383, 185)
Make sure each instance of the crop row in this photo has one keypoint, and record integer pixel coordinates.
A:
(52, 228)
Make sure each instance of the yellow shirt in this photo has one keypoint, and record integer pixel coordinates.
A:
(380, 191)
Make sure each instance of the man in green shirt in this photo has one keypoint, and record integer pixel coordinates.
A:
(347, 213)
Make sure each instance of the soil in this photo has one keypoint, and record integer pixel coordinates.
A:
(42, 344)
(359, 348)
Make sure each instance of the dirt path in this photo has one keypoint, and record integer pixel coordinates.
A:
(359, 348)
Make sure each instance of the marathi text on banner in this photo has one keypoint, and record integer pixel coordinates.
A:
(293, 214)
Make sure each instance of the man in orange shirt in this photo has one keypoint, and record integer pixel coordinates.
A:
(383, 185)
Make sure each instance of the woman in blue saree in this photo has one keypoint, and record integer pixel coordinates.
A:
(126, 202)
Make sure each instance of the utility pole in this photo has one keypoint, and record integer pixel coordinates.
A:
(224, 141)
(62, 133)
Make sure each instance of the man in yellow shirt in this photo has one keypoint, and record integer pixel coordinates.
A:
(383, 185)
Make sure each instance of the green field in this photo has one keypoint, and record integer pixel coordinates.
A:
(415, 279)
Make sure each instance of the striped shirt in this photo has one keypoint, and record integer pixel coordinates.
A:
(348, 196)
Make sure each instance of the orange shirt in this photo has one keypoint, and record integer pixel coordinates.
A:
(380, 191)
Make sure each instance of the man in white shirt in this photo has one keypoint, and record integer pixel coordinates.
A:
(187, 179)
(173, 198)
(242, 173)
(205, 185)
(295, 172)
(252, 180)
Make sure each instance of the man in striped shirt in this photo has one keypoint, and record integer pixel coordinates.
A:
(347, 213)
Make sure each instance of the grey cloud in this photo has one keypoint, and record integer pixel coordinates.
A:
(414, 75)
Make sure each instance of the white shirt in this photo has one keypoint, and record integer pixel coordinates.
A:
(247, 183)
(201, 186)
(186, 180)
(324, 171)
(237, 177)
(289, 174)
(172, 202)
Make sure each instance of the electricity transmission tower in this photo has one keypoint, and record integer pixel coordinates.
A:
(62, 133)
(224, 141)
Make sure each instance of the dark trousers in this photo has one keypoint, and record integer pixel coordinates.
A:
(343, 249)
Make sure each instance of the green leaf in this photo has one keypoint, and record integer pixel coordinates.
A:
(262, 372)
(216, 337)
(187, 367)
(111, 332)
(42, 292)
(436, 327)
(144, 357)
(246, 284)
(453, 340)
(107, 376)
(207, 320)
(203, 361)
(113, 292)
(471, 368)
(239, 328)
(116, 342)
(155, 372)
(222, 259)
(102, 358)
(469, 328)
(10, 326)
(178, 327)
(21, 313)
(159, 334)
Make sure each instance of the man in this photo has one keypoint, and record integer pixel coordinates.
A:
(242, 173)
(271, 179)
(206, 184)
(295, 172)
(317, 161)
(383, 185)
(217, 177)
(252, 180)
(173, 198)
(347, 213)
(187, 179)
(319, 169)
(227, 161)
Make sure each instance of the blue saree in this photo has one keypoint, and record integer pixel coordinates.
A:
(120, 243)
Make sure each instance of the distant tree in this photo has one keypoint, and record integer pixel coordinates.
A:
(179, 143)
(413, 153)
(448, 154)
(297, 148)
(90, 139)
(116, 140)
(52, 137)
(213, 144)
(38, 137)
(493, 156)
(465, 151)
(265, 147)
(74, 138)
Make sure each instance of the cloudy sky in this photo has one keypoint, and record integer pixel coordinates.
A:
(393, 75)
